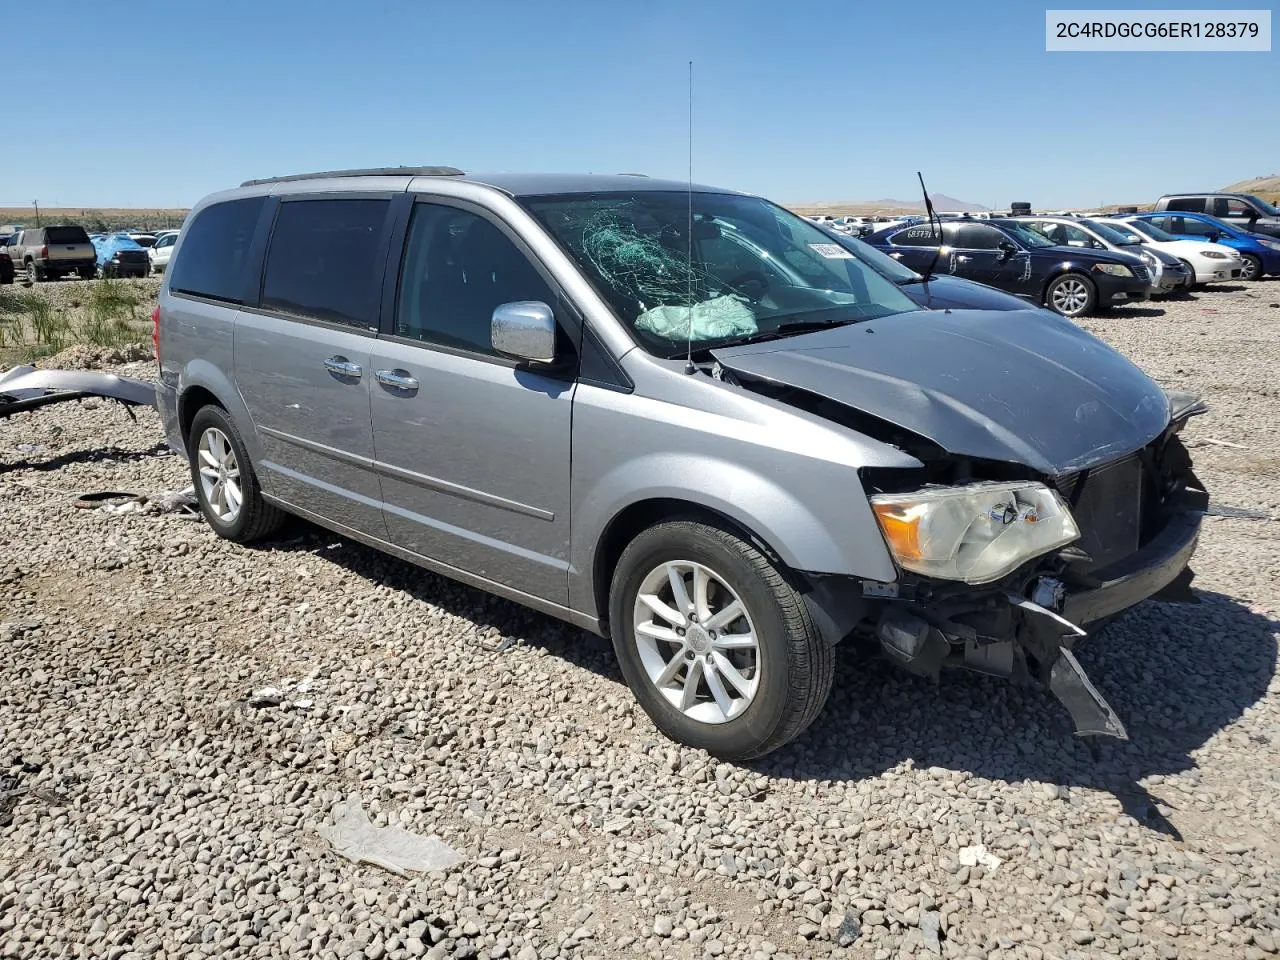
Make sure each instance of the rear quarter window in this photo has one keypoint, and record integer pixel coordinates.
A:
(214, 260)
(1189, 204)
(920, 235)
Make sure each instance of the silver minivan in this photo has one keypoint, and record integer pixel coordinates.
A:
(679, 417)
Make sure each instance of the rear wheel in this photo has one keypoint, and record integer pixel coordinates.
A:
(33, 272)
(714, 642)
(1072, 295)
(86, 273)
(1251, 268)
(225, 483)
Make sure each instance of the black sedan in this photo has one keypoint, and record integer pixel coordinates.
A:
(938, 292)
(1005, 254)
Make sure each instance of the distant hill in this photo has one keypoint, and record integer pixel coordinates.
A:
(866, 207)
(1268, 187)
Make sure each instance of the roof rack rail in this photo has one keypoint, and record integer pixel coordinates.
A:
(364, 172)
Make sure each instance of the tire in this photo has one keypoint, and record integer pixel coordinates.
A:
(788, 670)
(254, 518)
(86, 273)
(1076, 293)
(1251, 268)
(33, 272)
(1194, 284)
(100, 273)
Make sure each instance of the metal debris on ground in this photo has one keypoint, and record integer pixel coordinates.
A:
(395, 849)
(179, 503)
(1238, 513)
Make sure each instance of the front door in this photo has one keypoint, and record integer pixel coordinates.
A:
(473, 450)
(302, 357)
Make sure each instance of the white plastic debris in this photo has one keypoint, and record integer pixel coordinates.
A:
(266, 697)
(392, 848)
(978, 856)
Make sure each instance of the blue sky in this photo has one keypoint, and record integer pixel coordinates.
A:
(800, 101)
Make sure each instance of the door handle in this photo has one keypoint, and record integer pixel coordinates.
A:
(398, 379)
(343, 367)
(963, 259)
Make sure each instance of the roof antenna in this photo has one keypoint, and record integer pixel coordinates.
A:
(933, 218)
(688, 342)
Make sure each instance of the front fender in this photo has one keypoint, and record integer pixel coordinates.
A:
(793, 483)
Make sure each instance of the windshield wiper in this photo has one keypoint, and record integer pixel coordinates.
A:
(785, 330)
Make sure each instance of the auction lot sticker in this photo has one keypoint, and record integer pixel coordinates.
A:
(1186, 31)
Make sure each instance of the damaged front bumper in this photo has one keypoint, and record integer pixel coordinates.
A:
(1025, 627)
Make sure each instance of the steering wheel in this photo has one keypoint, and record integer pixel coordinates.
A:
(749, 277)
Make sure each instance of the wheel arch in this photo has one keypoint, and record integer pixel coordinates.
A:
(640, 515)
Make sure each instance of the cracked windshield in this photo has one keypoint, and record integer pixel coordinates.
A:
(751, 270)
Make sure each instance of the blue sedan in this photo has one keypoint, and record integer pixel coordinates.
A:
(1261, 255)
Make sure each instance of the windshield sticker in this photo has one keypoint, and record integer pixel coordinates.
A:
(831, 251)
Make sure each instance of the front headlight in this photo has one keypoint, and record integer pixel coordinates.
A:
(1213, 254)
(975, 533)
(1148, 258)
(1115, 269)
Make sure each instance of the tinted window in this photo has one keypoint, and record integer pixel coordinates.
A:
(324, 262)
(65, 235)
(1191, 204)
(457, 268)
(215, 252)
(1196, 228)
(918, 235)
(973, 236)
(1236, 209)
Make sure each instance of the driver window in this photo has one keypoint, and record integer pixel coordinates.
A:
(457, 268)
(1231, 209)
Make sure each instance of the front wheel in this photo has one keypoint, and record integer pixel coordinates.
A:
(225, 483)
(716, 645)
(1251, 269)
(1072, 295)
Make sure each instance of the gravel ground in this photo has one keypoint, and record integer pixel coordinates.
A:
(158, 813)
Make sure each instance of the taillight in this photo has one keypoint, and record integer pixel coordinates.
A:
(155, 331)
(44, 252)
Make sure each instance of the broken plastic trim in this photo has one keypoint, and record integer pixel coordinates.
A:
(26, 388)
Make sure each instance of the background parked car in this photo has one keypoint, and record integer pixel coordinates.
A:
(1011, 256)
(1259, 255)
(6, 264)
(1208, 262)
(939, 292)
(161, 250)
(49, 253)
(143, 239)
(120, 256)
(1242, 210)
(1168, 275)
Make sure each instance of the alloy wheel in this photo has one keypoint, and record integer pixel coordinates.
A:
(1249, 269)
(1070, 296)
(696, 641)
(220, 475)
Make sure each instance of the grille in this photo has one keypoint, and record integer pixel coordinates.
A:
(1140, 271)
(1107, 504)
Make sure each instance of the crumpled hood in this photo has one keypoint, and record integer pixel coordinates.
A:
(1018, 386)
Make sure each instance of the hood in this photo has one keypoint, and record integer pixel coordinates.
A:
(945, 292)
(1019, 386)
(1090, 255)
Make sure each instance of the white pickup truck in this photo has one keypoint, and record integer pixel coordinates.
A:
(48, 253)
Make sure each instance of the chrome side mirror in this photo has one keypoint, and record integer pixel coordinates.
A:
(524, 330)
